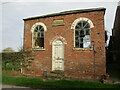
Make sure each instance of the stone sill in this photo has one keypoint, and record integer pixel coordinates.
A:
(38, 49)
(83, 49)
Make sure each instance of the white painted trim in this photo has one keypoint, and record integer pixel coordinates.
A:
(80, 19)
(58, 37)
(33, 28)
(77, 21)
(38, 23)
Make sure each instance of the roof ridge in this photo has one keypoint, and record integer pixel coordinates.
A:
(66, 12)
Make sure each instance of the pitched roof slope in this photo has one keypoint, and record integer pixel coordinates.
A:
(66, 12)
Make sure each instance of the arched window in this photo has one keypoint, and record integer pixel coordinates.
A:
(38, 37)
(82, 34)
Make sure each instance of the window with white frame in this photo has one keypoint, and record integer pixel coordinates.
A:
(82, 34)
(38, 37)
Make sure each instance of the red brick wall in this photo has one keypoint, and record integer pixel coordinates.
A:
(77, 63)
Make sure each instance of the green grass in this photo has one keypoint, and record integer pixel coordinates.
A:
(39, 83)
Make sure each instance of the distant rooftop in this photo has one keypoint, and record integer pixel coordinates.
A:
(119, 3)
(66, 12)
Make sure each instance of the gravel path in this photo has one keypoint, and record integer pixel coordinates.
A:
(12, 86)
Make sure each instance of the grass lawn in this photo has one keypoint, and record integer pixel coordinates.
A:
(39, 83)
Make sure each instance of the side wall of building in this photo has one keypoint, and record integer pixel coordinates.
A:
(116, 36)
(77, 63)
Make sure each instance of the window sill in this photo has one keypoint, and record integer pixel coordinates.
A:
(82, 48)
(40, 49)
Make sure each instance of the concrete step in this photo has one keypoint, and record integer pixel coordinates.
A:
(56, 75)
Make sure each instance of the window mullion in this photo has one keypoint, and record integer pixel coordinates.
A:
(79, 41)
(82, 24)
(82, 31)
(38, 28)
(78, 26)
(41, 28)
(85, 25)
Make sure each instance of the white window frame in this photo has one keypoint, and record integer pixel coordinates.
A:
(74, 25)
(32, 30)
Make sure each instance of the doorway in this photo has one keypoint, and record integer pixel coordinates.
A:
(58, 55)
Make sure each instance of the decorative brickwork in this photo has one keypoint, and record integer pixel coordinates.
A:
(58, 37)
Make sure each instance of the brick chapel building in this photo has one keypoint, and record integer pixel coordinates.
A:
(72, 42)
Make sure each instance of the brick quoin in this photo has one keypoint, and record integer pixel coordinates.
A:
(81, 64)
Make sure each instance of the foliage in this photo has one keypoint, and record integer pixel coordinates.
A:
(39, 83)
(8, 50)
(12, 73)
(16, 60)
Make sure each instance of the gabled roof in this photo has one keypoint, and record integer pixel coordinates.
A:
(66, 12)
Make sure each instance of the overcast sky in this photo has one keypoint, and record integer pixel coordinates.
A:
(14, 12)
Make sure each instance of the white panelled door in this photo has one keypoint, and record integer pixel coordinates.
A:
(57, 55)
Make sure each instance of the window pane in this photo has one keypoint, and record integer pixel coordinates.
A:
(77, 39)
(41, 28)
(87, 45)
(36, 42)
(81, 40)
(35, 30)
(84, 23)
(77, 44)
(87, 25)
(40, 42)
(38, 36)
(81, 45)
(76, 32)
(77, 26)
(42, 34)
(87, 32)
(35, 34)
(87, 41)
(86, 38)
(82, 34)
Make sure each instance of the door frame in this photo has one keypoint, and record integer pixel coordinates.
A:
(53, 53)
